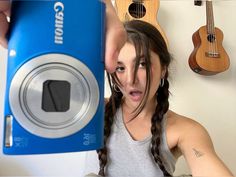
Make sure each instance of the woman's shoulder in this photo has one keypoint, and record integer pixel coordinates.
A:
(179, 122)
(180, 128)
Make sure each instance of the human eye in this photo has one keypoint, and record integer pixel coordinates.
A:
(120, 69)
(142, 64)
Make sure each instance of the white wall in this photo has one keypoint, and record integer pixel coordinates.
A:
(210, 100)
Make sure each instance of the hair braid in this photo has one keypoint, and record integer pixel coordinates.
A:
(156, 129)
(113, 103)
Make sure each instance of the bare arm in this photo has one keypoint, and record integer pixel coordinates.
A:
(197, 148)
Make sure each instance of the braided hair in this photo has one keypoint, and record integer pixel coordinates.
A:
(145, 38)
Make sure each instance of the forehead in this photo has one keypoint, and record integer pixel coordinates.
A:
(128, 54)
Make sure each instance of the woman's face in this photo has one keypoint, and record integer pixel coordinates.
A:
(133, 92)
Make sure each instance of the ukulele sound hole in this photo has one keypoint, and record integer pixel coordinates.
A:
(137, 10)
(211, 38)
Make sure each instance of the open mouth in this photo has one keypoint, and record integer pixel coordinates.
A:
(136, 95)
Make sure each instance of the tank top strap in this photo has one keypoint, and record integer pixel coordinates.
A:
(168, 158)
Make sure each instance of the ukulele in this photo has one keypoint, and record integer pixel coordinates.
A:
(208, 57)
(145, 10)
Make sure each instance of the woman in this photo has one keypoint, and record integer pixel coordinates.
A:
(142, 136)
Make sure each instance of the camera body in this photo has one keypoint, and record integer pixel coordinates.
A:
(54, 99)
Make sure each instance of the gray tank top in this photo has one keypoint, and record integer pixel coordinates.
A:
(131, 158)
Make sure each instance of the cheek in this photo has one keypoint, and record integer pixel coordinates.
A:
(121, 81)
(155, 78)
(121, 78)
(154, 87)
(141, 75)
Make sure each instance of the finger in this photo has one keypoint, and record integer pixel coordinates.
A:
(115, 37)
(4, 24)
(5, 7)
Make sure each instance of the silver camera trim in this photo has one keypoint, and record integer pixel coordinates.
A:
(25, 95)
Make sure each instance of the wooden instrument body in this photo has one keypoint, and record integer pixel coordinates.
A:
(145, 10)
(201, 61)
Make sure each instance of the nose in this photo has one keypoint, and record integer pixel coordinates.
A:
(130, 77)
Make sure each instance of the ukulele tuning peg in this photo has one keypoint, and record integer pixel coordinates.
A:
(197, 2)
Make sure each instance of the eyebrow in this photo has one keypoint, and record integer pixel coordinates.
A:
(119, 62)
(134, 60)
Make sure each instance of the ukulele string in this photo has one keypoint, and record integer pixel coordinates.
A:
(212, 30)
(213, 38)
(209, 30)
(138, 10)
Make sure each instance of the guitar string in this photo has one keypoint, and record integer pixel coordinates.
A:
(214, 31)
(216, 38)
(213, 39)
(210, 31)
(139, 10)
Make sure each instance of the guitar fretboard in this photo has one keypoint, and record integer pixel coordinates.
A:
(210, 18)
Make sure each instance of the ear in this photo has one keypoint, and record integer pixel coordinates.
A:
(163, 72)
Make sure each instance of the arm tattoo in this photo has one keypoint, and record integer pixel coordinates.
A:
(197, 153)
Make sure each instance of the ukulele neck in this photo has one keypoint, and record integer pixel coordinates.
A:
(210, 18)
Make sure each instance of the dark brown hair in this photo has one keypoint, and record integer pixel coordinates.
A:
(145, 38)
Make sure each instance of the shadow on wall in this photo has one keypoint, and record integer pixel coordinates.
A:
(12, 168)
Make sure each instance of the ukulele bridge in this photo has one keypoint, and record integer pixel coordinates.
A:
(212, 54)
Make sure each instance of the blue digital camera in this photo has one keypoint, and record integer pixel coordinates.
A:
(54, 98)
